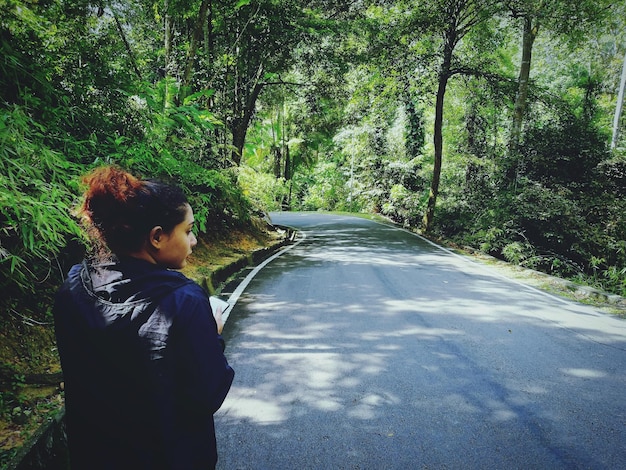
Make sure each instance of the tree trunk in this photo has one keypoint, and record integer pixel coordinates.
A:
(528, 39)
(129, 51)
(167, 66)
(287, 162)
(438, 144)
(618, 108)
(277, 159)
(208, 34)
(167, 26)
(196, 38)
(284, 145)
(444, 76)
(240, 125)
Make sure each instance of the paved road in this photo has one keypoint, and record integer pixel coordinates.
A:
(366, 347)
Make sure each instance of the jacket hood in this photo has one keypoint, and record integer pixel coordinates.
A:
(129, 280)
(121, 293)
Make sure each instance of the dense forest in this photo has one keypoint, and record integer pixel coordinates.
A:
(491, 124)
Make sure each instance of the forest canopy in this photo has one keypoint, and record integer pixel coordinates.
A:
(492, 124)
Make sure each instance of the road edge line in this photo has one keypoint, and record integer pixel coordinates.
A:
(234, 297)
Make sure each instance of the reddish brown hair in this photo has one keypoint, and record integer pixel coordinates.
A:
(123, 209)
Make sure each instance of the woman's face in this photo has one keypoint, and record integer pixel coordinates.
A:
(177, 244)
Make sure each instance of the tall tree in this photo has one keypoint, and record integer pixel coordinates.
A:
(254, 44)
(457, 20)
(561, 17)
(529, 34)
(619, 106)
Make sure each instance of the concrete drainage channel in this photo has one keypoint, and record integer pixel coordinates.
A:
(47, 448)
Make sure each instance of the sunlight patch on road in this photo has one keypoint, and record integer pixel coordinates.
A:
(370, 256)
(584, 373)
(246, 405)
(425, 332)
(286, 346)
(366, 407)
(504, 415)
(298, 382)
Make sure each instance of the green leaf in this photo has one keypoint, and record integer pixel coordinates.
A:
(242, 3)
(195, 96)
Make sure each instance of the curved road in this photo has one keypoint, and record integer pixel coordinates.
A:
(366, 347)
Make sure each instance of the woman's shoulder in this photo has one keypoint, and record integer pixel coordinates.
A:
(187, 302)
(189, 292)
(192, 289)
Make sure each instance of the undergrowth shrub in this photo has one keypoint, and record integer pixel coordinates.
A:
(37, 186)
(214, 194)
(325, 188)
(265, 191)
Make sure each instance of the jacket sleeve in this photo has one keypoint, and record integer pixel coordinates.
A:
(204, 376)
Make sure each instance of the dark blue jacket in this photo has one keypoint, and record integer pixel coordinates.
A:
(143, 366)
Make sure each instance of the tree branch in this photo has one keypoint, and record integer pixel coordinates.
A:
(126, 44)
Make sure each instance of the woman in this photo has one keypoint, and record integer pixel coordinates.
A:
(141, 353)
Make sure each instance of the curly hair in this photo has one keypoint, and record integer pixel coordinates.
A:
(122, 209)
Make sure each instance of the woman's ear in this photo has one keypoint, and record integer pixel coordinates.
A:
(156, 237)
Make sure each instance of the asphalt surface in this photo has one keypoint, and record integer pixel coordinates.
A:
(366, 347)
